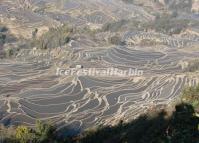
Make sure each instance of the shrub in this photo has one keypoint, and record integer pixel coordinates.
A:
(193, 66)
(114, 26)
(2, 39)
(44, 132)
(191, 95)
(24, 135)
(167, 24)
(116, 40)
(3, 29)
(181, 5)
(9, 52)
(55, 37)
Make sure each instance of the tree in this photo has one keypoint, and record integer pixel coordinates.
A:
(191, 96)
(2, 39)
(23, 134)
(55, 37)
(44, 132)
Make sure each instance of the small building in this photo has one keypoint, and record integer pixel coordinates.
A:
(79, 66)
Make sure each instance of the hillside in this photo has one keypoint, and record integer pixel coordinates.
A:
(84, 64)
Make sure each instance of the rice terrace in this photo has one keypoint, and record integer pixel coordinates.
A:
(41, 41)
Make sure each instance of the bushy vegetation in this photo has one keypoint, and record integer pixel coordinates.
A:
(173, 5)
(180, 5)
(10, 52)
(120, 25)
(114, 26)
(193, 66)
(191, 96)
(2, 39)
(147, 42)
(43, 133)
(59, 36)
(116, 40)
(167, 24)
(7, 135)
(180, 125)
(128, 1)
(163, 23)
(55, 37)
(3, 29)
(6, 38)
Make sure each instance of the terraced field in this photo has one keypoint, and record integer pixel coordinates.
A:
(30, 90)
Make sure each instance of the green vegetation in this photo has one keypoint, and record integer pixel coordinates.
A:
(55, 37)
(181, 5)
(7, 135)
(43, 133)
(128, 1)
(164, 23)
(147, 42)
(23, 134)
(167, 24)
(6, 37)
(173, 5)
(193, 66)
(116, 40)
(34, 33)
(114, 26)
(123, 25)
(180, 125)
(59, 36)
(191, 96)
(10, 52)
(2, 39)
(3, 29)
